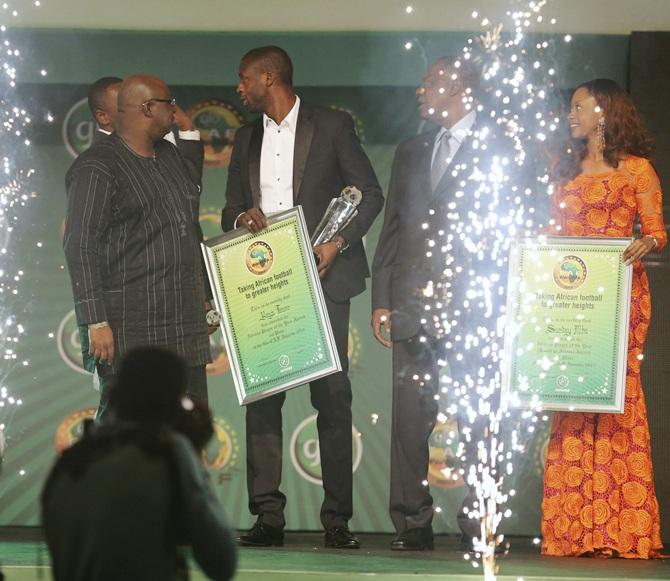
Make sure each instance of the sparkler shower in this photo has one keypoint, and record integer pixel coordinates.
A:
(15, 194)
(501, 184)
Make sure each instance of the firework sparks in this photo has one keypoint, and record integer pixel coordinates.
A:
(15, 194)
(499, 186)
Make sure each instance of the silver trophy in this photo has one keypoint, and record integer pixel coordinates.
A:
(340, 212)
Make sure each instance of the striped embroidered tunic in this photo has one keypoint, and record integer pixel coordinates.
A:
(132, 247)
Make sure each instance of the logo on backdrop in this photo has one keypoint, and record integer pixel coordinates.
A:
(443, 463)
(69, 344)
(358, 122)
(71, 429)
(305, 450)
(217, 122)
(78, 128)
(220, 455)
(570, 272)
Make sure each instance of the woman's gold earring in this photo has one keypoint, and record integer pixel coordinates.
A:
(601, 134)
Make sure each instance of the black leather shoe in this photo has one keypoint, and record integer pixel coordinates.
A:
(262, 535)
(341, 538)
(413, 540)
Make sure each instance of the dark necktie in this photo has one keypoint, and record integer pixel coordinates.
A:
(440, 160)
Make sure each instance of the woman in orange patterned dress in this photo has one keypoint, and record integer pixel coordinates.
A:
(599, 497)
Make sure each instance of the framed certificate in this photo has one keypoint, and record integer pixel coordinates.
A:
(273, 315)
(568, 308)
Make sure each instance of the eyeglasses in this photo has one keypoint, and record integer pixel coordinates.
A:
(172, 102)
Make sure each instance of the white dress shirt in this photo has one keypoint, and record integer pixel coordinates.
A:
(459, 131)
(276, 179)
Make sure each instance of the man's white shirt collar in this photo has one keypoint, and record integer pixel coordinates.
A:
(290, 121)
(461, 129)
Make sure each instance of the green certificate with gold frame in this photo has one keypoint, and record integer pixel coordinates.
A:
(566, 338)
(273, 314)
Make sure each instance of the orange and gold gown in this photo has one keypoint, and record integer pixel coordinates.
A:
(599, 497)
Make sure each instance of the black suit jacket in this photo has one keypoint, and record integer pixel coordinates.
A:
(327, 157)
(400, 268)
(414, 214)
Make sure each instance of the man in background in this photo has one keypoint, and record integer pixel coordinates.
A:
(102, 101)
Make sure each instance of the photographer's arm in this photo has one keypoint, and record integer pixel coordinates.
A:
(206, 526)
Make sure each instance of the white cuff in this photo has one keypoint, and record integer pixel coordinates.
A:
(191, 135)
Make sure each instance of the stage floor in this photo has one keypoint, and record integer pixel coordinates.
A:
(303, 558)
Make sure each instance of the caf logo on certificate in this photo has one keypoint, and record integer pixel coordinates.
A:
(259, 258)
(570, 272)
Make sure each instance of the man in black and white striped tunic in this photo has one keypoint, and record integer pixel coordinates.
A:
(132, 239)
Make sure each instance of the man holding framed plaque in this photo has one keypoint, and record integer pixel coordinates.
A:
(299, 154)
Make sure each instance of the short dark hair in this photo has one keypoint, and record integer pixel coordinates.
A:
(149, 386)
(272, 59)
(97, 90)
(469, 72)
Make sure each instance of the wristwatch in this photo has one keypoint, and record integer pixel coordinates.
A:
(213, 317)
(341, 244)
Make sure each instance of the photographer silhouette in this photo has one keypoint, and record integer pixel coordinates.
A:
(121, 502)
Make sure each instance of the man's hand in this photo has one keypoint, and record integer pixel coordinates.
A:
(638, 249)
(253, 220)
(327, 253)
(381, 318)
(101, 344)
(182, 120)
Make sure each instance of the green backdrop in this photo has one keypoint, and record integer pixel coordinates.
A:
(372, 76)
